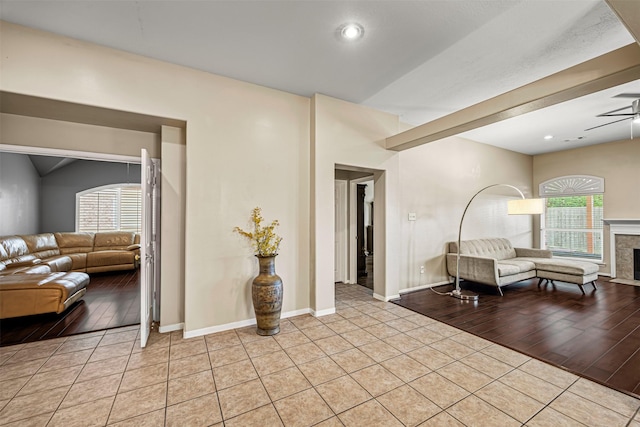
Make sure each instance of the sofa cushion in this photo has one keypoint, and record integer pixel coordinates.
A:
(78, 261)
(42, 245)
(492, 248)
(59, 263)
(113, 240)
(509, 267)
(115, 257)
(13, 249)
(555, 265)
(72, 243)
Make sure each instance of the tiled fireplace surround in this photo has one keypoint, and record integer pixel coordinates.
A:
(624, 235)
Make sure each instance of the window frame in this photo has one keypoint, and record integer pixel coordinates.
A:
(570, 186)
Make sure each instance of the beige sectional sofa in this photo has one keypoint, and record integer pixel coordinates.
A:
(86, 252)
(497, 263)
(42, 273)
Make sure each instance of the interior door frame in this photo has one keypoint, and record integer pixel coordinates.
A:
(353, 225)
(341, 230)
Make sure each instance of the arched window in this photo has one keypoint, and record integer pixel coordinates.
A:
(112, 207)
(572, 223)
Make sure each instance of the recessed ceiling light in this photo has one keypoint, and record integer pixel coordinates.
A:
(548, 137)
(351, 31)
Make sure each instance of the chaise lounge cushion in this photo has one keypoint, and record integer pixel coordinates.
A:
(567, 267)
(27, 294)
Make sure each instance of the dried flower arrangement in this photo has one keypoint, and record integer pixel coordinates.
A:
(264, 239)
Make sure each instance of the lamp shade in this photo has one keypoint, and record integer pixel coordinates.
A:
(525, 207)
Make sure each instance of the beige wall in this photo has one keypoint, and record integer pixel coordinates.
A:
(437, 180)
(617, 162)
(346, 134)
(172, 225)
(246, 146)
(56, 134)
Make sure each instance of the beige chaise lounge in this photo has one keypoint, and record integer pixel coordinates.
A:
(37, 293)
(497, 263)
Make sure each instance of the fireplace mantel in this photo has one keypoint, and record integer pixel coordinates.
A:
(627, 226)
(622, 221)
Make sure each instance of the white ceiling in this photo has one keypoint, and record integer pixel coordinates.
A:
(418, 59)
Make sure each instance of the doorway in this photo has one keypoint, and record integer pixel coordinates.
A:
(354, 231)
(113, 299)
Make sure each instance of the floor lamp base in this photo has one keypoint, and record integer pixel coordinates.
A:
(464, 295)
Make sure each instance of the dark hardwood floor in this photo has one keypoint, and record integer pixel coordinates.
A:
(367, 280)
(112, 300)
(596, 335)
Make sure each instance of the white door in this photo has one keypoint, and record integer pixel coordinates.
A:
(146, 248)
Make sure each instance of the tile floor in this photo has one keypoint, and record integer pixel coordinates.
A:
(371, 364)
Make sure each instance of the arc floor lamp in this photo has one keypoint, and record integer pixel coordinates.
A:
(521, 206)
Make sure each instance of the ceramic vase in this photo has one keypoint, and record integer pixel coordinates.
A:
(266, 292)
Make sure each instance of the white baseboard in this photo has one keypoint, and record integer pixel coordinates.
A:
(385, 299)
(239, 324)
(171, 328)
(218, 328)
(324, 312)
(296, 313)
(418, 288)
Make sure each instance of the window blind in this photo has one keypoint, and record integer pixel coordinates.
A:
(573, 226)
(109, 209)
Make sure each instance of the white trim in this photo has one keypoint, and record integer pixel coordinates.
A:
(353, 225)
(171, 328)
(324, 312)
(85, 155)
(594, 185)
(623, 227)
(385, 299)
(218, 328)
(295, 313)
(421, 287)
(342, 229)
(240, 324)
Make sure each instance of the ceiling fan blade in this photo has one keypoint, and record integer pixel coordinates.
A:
(607, 124)
(628, 95)
(613, 111)
(614, 115)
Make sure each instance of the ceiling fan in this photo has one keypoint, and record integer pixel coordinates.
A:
(633, 115)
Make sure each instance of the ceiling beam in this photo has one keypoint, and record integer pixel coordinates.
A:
(612, 69)
(629, 14)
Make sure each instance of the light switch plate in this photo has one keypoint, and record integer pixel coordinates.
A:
(412, 216)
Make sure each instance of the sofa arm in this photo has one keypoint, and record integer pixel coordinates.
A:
(133, 247)
(474, 268)
(533, 253)
(26, 263)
